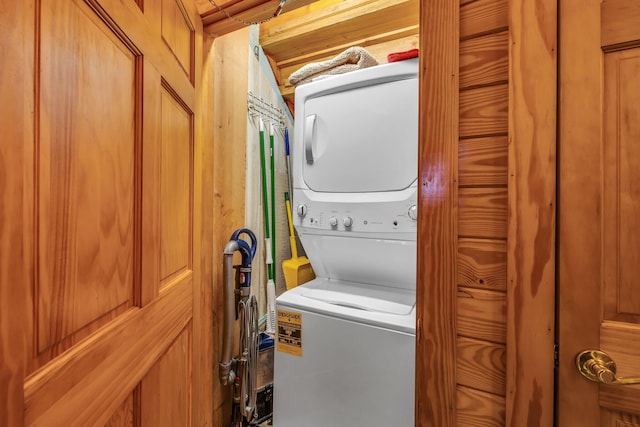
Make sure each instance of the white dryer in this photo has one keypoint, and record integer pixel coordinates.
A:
(345, 348)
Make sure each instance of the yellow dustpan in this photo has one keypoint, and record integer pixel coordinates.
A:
(297, 270)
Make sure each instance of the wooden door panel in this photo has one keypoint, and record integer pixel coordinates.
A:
(104, 209)
(166, 389)
(88, 384)
(176, 185)
(621, 185)
(85, 188)
(618, 419)
(123, 416)
(619, 22)
(178, 34)
(599, 247)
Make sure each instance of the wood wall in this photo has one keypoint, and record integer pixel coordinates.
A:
(487, 171)
(229, 119)
(482, 213)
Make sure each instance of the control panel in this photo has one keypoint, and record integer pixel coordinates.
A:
(361, 217)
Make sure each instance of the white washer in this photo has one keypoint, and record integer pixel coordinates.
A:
(345, 350)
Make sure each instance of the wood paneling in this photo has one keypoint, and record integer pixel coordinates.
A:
(219, 23)
(482, 212)
(618, 419)
(124, 415)
(478, 409)
(619, 23)
(484, 60)
(484, 111)
(83, 210)
(621, 191)
(204, 258)
(483, 17)
(228, 92)
(578, 192)
(86, 197)
(16, 174)
(352, 21)
(482, 264)
(178, 34)
(176, 185)
(482, 314)
(483, 162)
(532, 200)
(165, 390)
(619, 340)
(90, 383)
(481, 365)
(437, 222)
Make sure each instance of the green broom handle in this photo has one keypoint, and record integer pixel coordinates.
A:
(263, 166)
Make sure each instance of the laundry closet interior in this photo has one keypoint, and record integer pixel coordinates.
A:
(471, 291)
(156, 151)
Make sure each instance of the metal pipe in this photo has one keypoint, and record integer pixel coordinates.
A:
(227, 376)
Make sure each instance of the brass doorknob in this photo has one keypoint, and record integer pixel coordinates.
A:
(598, 366)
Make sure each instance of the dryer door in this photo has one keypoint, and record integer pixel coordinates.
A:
(362, 139)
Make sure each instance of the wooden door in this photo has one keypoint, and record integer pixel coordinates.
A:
(101, 227)
(599, 207)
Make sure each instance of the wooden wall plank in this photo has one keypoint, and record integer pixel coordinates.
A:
(437, 223)
(483, 161)
(228, 92)
(482, 365)
(351, 21)
(483, 17)
(482, 264)
(218, 24)
(484, 111)
(482, 212)
(478, 409)
(532, 200)
(482, 314)
(484, 60)
(203, 255)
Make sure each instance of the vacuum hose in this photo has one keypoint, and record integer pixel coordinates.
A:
(245, 380)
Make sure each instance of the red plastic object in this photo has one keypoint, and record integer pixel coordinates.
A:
(401, 56)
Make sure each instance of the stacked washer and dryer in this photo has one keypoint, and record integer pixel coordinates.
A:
(345, 352)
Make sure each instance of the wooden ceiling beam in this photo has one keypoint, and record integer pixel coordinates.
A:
(217, 23)
(333, 25)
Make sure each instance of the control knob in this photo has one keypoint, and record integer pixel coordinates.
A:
(302, 210)
(333, 221)
(413, 212)
(347, 221)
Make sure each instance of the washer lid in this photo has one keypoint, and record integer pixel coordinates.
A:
(377, 306)
(359, 296)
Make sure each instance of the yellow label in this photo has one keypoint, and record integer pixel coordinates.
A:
(290, 332)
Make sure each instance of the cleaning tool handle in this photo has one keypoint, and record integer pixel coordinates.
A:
(267, 245)
(272, 169)
(292, 236)
(287, 202)
(286, 140)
